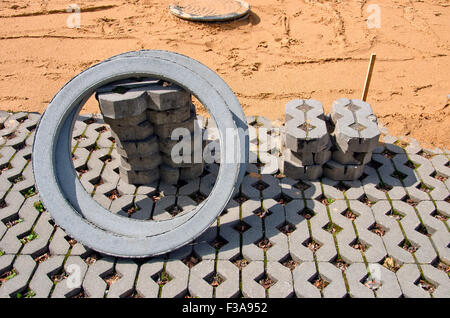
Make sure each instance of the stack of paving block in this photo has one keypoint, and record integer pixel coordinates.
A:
(354, 133)
(306, 140)
(142, 115)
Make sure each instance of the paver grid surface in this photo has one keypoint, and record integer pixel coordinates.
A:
(384, 235)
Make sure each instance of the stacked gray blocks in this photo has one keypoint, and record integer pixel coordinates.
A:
(354, 133)
(307, 142)
(142, 116)
(337, 146)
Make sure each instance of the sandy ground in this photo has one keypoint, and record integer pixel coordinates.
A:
(285, 49)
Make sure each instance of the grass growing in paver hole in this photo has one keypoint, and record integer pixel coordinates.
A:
(27, 193)
(30, 237)
(8, 275)
(2, 253)
(28, 294)
(39, 206)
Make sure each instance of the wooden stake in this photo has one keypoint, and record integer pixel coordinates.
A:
(373, 57)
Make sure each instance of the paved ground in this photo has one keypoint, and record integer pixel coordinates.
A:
(385, 235)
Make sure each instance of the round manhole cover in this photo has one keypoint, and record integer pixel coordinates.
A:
(209, 10)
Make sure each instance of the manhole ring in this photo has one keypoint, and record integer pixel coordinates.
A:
(209, 11)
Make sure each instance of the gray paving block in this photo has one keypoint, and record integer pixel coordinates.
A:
(129, 104)
(302, 276)
(347, 236)
(350, 157)
(437, 228)
(76, 269)
(58, 244)
(230, 273)
(327, 251)
(132, 133)
(124, 286)
(356, 127)
(169, 97)
(281, 275)
(407, 277)
(24, 266)
(227, 230)
(176, 130)
(288, 187)
(356, 274)
(41, 284)
(410, 223)
(305, 126)
(272, 224)
(294, 171)
(10, 210)
(376, 250)
(439, 279)
(169, 174)
(337, 171)
(252, 273)
(6, 262)
(94, 285)
(390, 287)
(198, 286)
(139, 177)
(333, 275)
(141, 163)
(10, 243)
(126, 122)
(136, 149)
(307, 158)
(145, 285)
(44, 230)
(178, 286)
(439, 191)
(387, 172)
(203, 244)
(393, 237)
(250, 250)
(299, 252)
(170, 116)
(330, 190)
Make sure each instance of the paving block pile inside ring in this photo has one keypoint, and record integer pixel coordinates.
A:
(143, 96)
(143, 204)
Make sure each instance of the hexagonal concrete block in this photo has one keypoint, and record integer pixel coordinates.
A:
(116, 106)
(139, 177)
(356, 127)
(141, 163)
(305, 126)
(169, 97)
(170, 116)
(340, 172)
(296, 171)
(132, 133)
(133, 149)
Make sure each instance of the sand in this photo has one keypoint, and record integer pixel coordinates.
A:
(285, 49)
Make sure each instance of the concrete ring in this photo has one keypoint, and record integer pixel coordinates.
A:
(70, 205)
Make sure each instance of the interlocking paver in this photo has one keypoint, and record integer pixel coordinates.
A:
(41, 284)
(24, 266)
(251, 274)
(390, 287)
(437, 227)
(146, 286)
(356, 274)
(407, 276)
(402, 196)
(393, 237)
(94, 285)
(178, 286)
(124, 286)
